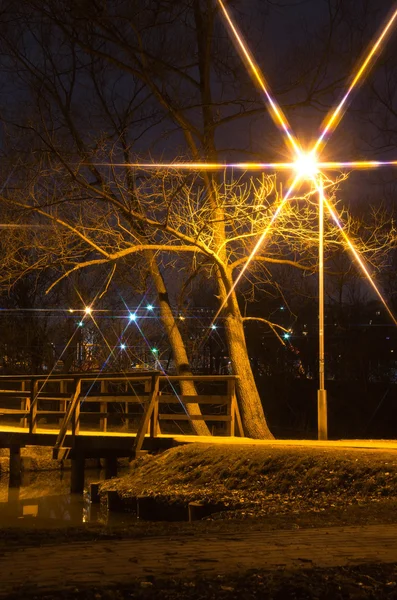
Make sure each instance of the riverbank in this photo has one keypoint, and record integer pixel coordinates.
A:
(251, 481)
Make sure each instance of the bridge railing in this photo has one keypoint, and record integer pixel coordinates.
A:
(155, 393)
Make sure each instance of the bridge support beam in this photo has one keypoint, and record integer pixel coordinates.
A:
(77, 475)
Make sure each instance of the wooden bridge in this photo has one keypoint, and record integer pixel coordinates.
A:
(76, 429)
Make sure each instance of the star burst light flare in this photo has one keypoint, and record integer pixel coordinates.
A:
(306, 164)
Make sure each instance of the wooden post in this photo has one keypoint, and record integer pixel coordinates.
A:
(148, 386)
(25, 404)
(76, 412)
(197, 511)
(15, 466)
(143, 426)
(104, 407)
(77, 475)
(154, 420)
(230, 425)
(62, 403)
(34, 386)
(69, 418)
(126, 407)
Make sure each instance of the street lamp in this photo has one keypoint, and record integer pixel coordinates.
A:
(321, 393)
(306, 167)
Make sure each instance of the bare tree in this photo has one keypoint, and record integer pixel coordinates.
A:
(103, 76)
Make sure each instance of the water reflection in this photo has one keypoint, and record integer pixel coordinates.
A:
(43, 500)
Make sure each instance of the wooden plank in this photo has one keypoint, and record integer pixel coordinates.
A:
(44, 413)
(154, 419)
(184, 417)
(148, 387)
(76, 412)
(103, 421)
(198, 377)
(25, 403)
(200, 399)
(84, 376)
(63, 387)
(75, 398)
(143, 426)
(237, 415)
(13, 411)
(53, 395)
(117, 398)
(96, 414)
(14, 393)
(34, 386)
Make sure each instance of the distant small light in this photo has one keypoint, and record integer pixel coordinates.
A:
(213, 326)
(281, 307)
(88, 310)
(150, 307)
(122, 346)
(80, 323)
(154, 350)
(133, 317)
(391, 350)
(71, 310)
(181, 318)
(286, 336)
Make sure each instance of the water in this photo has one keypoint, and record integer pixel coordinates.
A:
(44, 500)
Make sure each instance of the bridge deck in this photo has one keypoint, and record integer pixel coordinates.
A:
(120, 443)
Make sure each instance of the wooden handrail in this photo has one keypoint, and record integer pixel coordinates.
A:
(150, 397)
(70, 414)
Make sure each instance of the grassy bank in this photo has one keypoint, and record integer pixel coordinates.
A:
(254, 481)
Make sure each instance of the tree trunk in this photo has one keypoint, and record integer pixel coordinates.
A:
(178, 347)
(250, 404)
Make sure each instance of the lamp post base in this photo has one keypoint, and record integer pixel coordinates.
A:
(322, 414)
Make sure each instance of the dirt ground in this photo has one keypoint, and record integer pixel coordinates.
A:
(338, 562)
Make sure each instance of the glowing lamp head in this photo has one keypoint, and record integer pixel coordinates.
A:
(88, 310)
(122, 346)
(133, 317)
(306, 165)
(149, 307)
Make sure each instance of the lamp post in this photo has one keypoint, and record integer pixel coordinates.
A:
(321, 393)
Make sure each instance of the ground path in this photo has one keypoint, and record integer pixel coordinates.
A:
(109, 562)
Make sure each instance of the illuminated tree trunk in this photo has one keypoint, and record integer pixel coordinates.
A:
(250, 404)
(178, 347)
